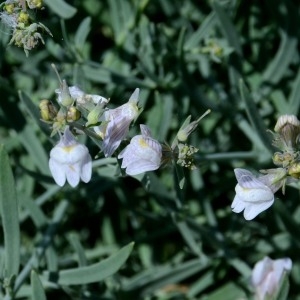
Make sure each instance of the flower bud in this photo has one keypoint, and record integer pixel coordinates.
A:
(294, 170)
(73, 114)
(188, 127)
(94, 115)
(48, 110)
(288, 127)
(9, 8)
(35, 4)
(64, 96)
(23, 17)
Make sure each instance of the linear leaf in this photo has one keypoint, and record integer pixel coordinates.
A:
(284, 56)
(294, 99)
(201, 32)
(227, 27)
(61, 8)
(254, 117)
(82, 32)
(38, 292)
(9, 216)
(95, 272)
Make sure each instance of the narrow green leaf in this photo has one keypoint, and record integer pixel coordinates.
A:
(227, 27)
(82, 32)
(254, 117)
(75, 242)
(95, 272)
(284, 56)
(9, 216)
(35, 212)
(204, 29)
(188, 236)
(33, 110)
(61, 8)
(38, 292)
(231, 290)
(34, 147)
(159, 277)
(294, 100)
(284, 287)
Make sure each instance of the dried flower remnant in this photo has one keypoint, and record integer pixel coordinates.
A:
(142, 154)
(25, 32)
(287, 131)
(70, 160)
(267, 276)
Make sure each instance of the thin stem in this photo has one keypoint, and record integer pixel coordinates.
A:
(225, 156)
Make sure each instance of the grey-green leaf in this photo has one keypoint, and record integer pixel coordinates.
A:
(61, 8)
(82, 33)
(38, 292)
(95, 272)
(9, 216)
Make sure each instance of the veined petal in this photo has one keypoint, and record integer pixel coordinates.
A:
(141, 155)
(261, 269)
(86, 169)
(116, 131)
(251, 211)
(140, 166)
(57, 171)
(237, 205)
(254, 194)
(73, 174)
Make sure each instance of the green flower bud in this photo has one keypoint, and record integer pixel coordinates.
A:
(73, 114)
(48, 110)
(23, 17)
(294, 170)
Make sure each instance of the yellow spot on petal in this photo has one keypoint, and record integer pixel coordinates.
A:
(143, 143)
(68, 148)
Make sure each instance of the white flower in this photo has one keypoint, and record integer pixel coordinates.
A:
(267, 275)
(70, 160)
(116, 122)
(253, 195)
(142, 154)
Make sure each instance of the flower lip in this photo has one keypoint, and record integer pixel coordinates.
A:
(252, 195)
(142, 154)
(70, 161)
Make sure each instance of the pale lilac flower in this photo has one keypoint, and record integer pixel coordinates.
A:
(70, 160)
(267, 275)
(116, 122)
(253, 195)
(142, 154)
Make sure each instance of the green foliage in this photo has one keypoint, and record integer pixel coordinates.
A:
(237, 58)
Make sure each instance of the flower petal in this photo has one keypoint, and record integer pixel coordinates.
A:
(86, 169)
(73, 174)
(251, 211)
(57, 171)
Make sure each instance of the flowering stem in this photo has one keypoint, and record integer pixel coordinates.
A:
(39, 252)
(225, 156)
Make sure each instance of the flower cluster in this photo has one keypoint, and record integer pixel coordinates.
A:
(255, 194)
(17, 16)
(79, 113)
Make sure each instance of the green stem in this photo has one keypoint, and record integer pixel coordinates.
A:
(225, 156)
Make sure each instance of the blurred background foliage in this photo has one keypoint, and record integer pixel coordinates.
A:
(238, 58)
